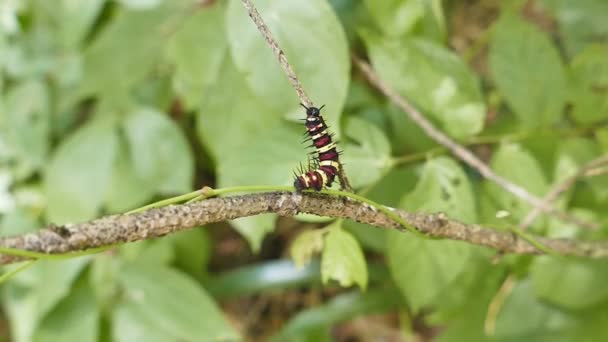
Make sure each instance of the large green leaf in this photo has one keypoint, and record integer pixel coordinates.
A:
(25, 124)
(573, 284)
(75, 318)
(343, 259)
(433, 78)
(580, 22)
(31, 295)
(396, 17)
(516, 164)
(198, 49)
(126, 190)
(589, 85)
(368, 158)
(524, 317)
(159, 150)
(124, 52)
(74, 19)
(166, 303)
(423, 269)
(528, 72)
(80, 172)
(311, 37)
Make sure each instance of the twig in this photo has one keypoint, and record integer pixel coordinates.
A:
(117, 229)
(459, 151)
(561, 188)
(274, 46)
(291, 74)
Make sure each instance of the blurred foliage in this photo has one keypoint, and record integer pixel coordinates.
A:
(108, 105)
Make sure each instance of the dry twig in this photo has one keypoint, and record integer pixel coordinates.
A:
(459, 151)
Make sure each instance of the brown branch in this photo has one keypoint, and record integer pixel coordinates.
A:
(459, 151)
(116, 229)
(561, 188)
(278, 53)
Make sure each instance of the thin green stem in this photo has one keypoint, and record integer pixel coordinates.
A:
(533, 242)
(168, 201)
(8, 275)
(388, 212)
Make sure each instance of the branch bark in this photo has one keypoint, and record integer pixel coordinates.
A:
(116, 229)
(461, 152)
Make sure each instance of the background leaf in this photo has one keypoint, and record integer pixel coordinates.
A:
(167, 302)
(80, 171)
(343, 259)
(528, 71)
(432, 78)
(324, 72)
(161, 156)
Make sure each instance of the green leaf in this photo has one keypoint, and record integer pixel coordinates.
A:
(443, 187)
(163, 302)
(580, 22)
(343, 259)
(305, 246)
(601, 135)
(30, 295)
(433, 78)
(318, 52)
(198, 49)
(74, 18)
(589, 85)
(25, 124)
(424, 269)
(126, 190)
(80, 172)
(527, 174)
(396, 17)
(571, 283)
(161, 156)
(123, 53)
(528, 72)
(192, 249)
(75, 318)
(368, 158)
(523, 317)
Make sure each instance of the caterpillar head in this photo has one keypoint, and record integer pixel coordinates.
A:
(312, 111)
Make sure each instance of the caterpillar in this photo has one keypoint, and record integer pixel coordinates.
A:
(326, 165)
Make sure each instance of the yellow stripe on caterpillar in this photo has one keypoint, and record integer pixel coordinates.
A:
(326, 147)
(331, 163)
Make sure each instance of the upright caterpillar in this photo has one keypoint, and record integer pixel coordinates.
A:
(326, 165)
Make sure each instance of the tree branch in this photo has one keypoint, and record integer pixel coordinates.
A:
(278, 53)
(461, 152)
(117, 229)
